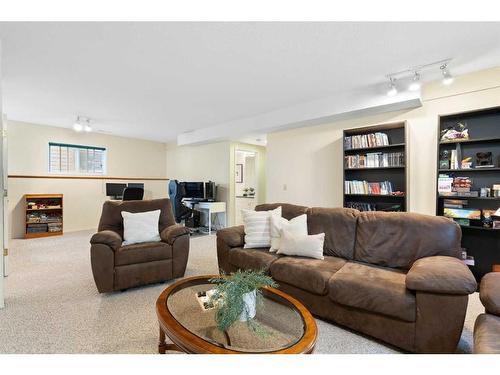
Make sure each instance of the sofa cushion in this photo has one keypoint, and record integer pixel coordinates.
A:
(255, 259)
(288, 211)
(339, 226)
(374, 289)
(487, 334)
(397, 239)
(307, 274)
(142, 253)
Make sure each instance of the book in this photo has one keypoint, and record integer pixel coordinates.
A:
(445, 184)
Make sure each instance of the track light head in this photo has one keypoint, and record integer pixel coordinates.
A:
(82, 124)
(392, 90)
(447, 77)
(415, 84)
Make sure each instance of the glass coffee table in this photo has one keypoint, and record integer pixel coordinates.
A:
(289, 327)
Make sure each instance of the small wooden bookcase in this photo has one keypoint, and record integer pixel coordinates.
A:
(43, 215)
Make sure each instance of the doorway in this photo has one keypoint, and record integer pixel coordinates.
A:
(245, 182)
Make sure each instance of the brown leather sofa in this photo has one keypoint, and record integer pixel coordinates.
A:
(117, 267)
(394, 276)
(487, 326)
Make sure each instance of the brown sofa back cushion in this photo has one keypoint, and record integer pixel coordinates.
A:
(397, 239)
(111, 217)
(288, 211)
(339, 226)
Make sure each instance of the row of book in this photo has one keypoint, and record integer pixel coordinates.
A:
(375, 160)
(365, 187)
(366, 140)
(362, 206)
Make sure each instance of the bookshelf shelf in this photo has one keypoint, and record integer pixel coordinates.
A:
(392, 171)
(372, 168)
(472, 227)
(483, 126)
(376, 148)
(375, 195)
(473, 170)
(477, 140)
(465, 197)
(43, 209)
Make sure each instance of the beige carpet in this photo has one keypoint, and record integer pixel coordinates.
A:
(52, 305)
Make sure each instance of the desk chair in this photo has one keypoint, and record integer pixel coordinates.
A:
(191, 217)
(133, 194)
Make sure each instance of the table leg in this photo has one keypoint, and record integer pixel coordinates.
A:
(209, 221)
(162, 345)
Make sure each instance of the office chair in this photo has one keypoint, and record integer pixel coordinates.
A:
(177, 192)
(133, 194)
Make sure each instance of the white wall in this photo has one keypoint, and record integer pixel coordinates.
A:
(309, 160)
(83, 199)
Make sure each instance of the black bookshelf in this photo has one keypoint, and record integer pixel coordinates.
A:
(396, 174)
(484, 136)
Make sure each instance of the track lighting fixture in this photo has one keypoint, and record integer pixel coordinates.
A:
(392, 90)
(412, 76)
(447, 77)
(82, 124)
(415, 84)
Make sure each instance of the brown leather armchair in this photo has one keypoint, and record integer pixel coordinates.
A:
(117, 267)
(487, 326)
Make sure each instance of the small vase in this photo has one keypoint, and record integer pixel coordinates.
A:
(249, 305)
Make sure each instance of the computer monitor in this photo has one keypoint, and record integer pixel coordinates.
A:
(194, 190)
(136, 185)
(115, 190)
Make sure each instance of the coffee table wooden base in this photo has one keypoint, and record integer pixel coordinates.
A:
(163, 346)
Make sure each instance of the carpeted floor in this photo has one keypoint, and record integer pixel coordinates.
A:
(52, 305)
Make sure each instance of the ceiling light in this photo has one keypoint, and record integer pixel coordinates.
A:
(77, 127)
(415, 84)
(447, 77)
(82, 124)
(392, 90)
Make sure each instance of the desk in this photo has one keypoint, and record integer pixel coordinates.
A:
(212, 208)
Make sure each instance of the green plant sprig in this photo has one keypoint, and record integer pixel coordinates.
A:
(228, 297)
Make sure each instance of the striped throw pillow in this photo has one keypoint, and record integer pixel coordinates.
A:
(258, 227)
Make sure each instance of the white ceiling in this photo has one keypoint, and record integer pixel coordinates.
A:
(159, 80)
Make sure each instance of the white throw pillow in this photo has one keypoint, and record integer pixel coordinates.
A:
(258, 227)
(140, 227)
(296, 226)
(310, 246)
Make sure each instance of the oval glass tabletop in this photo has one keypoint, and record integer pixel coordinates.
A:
(282, 325)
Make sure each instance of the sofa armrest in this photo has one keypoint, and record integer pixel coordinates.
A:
(233, 236)
(441, 275)
(489, 292)
(170, 233)
(107, 237)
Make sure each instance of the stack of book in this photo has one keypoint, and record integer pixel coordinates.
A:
(375, 160)
(360, 206)
(456, 186)
(369, 188)
(366, 140)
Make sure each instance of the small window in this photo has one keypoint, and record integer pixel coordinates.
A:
(76, 159)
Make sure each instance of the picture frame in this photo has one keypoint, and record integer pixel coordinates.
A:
(239, 173)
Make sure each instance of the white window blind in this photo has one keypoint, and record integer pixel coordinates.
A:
(76, 159)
